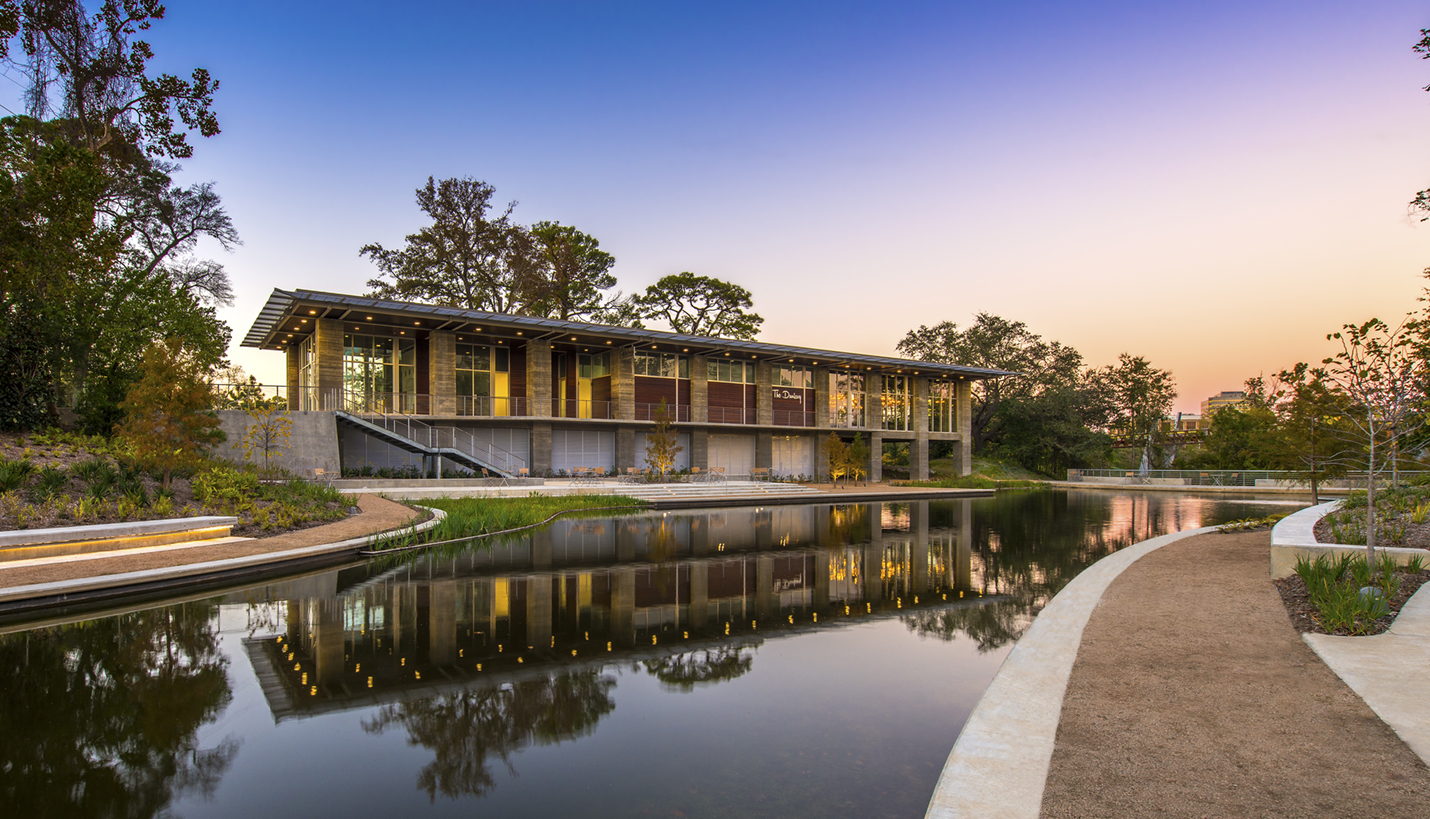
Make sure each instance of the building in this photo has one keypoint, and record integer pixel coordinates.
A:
(443, 388)
(1227, 398)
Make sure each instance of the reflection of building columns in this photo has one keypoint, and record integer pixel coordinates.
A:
(394, 620)
(541, 549)
(700, 535)
(625, 540)
(764, 530)
(699, 595)
(442, 623)
(623, 606)
(919, 548)
(821, 579)
(765, 602)
(874, 555)
(538, 611)
(329, 646)
(963, 547)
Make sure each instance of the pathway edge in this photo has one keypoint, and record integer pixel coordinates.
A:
(999, 765)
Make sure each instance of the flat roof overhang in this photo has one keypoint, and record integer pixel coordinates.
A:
(288, 316)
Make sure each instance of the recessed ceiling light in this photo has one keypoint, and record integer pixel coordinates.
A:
(608, 342)
(312, 312)
(518, 332)
(416, 324)
(573, 338)
(303, 321)
(369, 318)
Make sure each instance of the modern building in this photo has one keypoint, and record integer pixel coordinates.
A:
(443, 388)
(1226, 398)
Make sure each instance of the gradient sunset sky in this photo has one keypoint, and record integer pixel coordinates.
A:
(1214, 186)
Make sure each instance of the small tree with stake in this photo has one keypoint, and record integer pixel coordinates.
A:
(169, 421)
(660, 443)
(268, 432)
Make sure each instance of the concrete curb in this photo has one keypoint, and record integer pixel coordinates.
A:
(999, 765)
(61, 592)
(1294, 536)
(112, 531)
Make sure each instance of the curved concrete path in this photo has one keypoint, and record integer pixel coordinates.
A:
(999, 765)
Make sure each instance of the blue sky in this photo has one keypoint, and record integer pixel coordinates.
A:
(1214, 186)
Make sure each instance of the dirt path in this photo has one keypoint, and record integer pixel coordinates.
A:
(377, 515)
(1192, 696)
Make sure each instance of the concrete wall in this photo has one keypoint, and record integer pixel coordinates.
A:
(313, 442)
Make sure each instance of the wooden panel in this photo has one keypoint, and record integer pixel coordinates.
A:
(424, 372)
(650, 390)
(683, 391)
(729, 396)
(601, 388)
(518, 373)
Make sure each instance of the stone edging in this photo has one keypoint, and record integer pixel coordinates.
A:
(63, 588)
(999, 765)
(112, 531)
(1295, 536)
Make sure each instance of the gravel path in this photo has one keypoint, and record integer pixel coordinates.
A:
(377, 515)
(1192, 696)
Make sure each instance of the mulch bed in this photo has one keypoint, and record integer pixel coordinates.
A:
(1417, 535)
(1299, 608)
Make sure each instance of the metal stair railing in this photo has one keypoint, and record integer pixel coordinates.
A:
(435, 438)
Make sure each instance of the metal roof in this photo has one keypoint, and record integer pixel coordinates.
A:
(281, 303)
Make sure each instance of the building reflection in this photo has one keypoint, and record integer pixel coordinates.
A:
(690, 595)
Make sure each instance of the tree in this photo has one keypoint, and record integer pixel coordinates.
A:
(169, 422)
(1421, 202)
(1310, 432)
(836, 457)
(571, 273)
(660, 443)
(269, 430)
(470, 256)
(701, 306)
(858, 457)
(1380, 373)
(92, 73)
(1139, 396)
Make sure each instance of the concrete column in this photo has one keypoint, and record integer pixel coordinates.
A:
(538, 386)
(538, 612)
(295, 362)
(623, 383)
(821, 397)
(700, 448)
(541, 448)
(919, 447)
(328, 363)
(626, 455)
(764, 449)
(873, 401)
(623, 606)
(699, 595)
(963, 451)
(442, 623)
(764, 394)
(442, 372)
(699, 389)
(876, 456)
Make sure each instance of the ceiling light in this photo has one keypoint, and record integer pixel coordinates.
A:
(573, 338)
(369, 318)
(416, 324)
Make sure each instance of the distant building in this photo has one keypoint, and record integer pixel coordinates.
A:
(1185, 422)
(1227, 398)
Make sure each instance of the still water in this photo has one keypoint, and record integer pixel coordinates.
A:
(785, 661)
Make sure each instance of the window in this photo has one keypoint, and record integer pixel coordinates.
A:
(379, 374)
(483, 380)
(597, 365)
(662, 365)
(846, 399)
(943, 406)
(730, 372)
(798, 377)
(307, 394)
(897, 402)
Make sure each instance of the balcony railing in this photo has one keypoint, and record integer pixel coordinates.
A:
(730, 415)
(484, 406)
(792, 418)
(579, 408)
(676, 412)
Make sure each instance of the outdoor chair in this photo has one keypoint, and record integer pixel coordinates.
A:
(697, 475)
(760, 473)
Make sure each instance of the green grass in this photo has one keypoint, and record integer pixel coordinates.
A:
(472, 517)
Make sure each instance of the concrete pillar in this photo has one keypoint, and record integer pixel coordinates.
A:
(963, 547)
(821, 397)
(876, 457)
(700, 448)
(442, 623)
(873, 401)
(699, 595)
(442, 372)
(295, 363)
(623, 383)
(328, 363)
(538, 386)
(919, 457)
(764, 394)
(541, 448)
(626, 455)
(538, 612)
(764, 449)
(963, 450)
(699, 389)
(623, 606)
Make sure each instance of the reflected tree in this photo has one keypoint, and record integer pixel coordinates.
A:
(684, 672)
(467, 728)
(100, 718)
(991, 626)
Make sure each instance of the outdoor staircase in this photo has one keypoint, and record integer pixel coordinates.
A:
(435, 441)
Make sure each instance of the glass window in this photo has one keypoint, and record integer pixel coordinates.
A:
(662, 365)
(483, 384)
(897, 402)
(943, 406)
(379, 374)
(797, 377)
(730, 372)
(846, 399)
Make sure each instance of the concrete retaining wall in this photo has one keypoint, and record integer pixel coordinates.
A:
(1295, 537)
(313, 443)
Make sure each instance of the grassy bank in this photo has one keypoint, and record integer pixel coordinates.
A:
(973, 482)
(471, 517)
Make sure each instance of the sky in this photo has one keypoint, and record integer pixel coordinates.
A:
(1213, 186)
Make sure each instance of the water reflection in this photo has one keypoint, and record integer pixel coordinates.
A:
(100, 718)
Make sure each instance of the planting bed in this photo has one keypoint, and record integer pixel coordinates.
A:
(1303, 614)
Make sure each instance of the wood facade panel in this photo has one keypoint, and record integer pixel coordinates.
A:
(601, 388)
(728, 396)
(650, 390)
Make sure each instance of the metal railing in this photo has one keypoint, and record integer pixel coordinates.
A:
(486, 406)
(430, 436)
(792, 418)
(648, 412)
(730, 415)
(582, 408)
(1222, 477)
